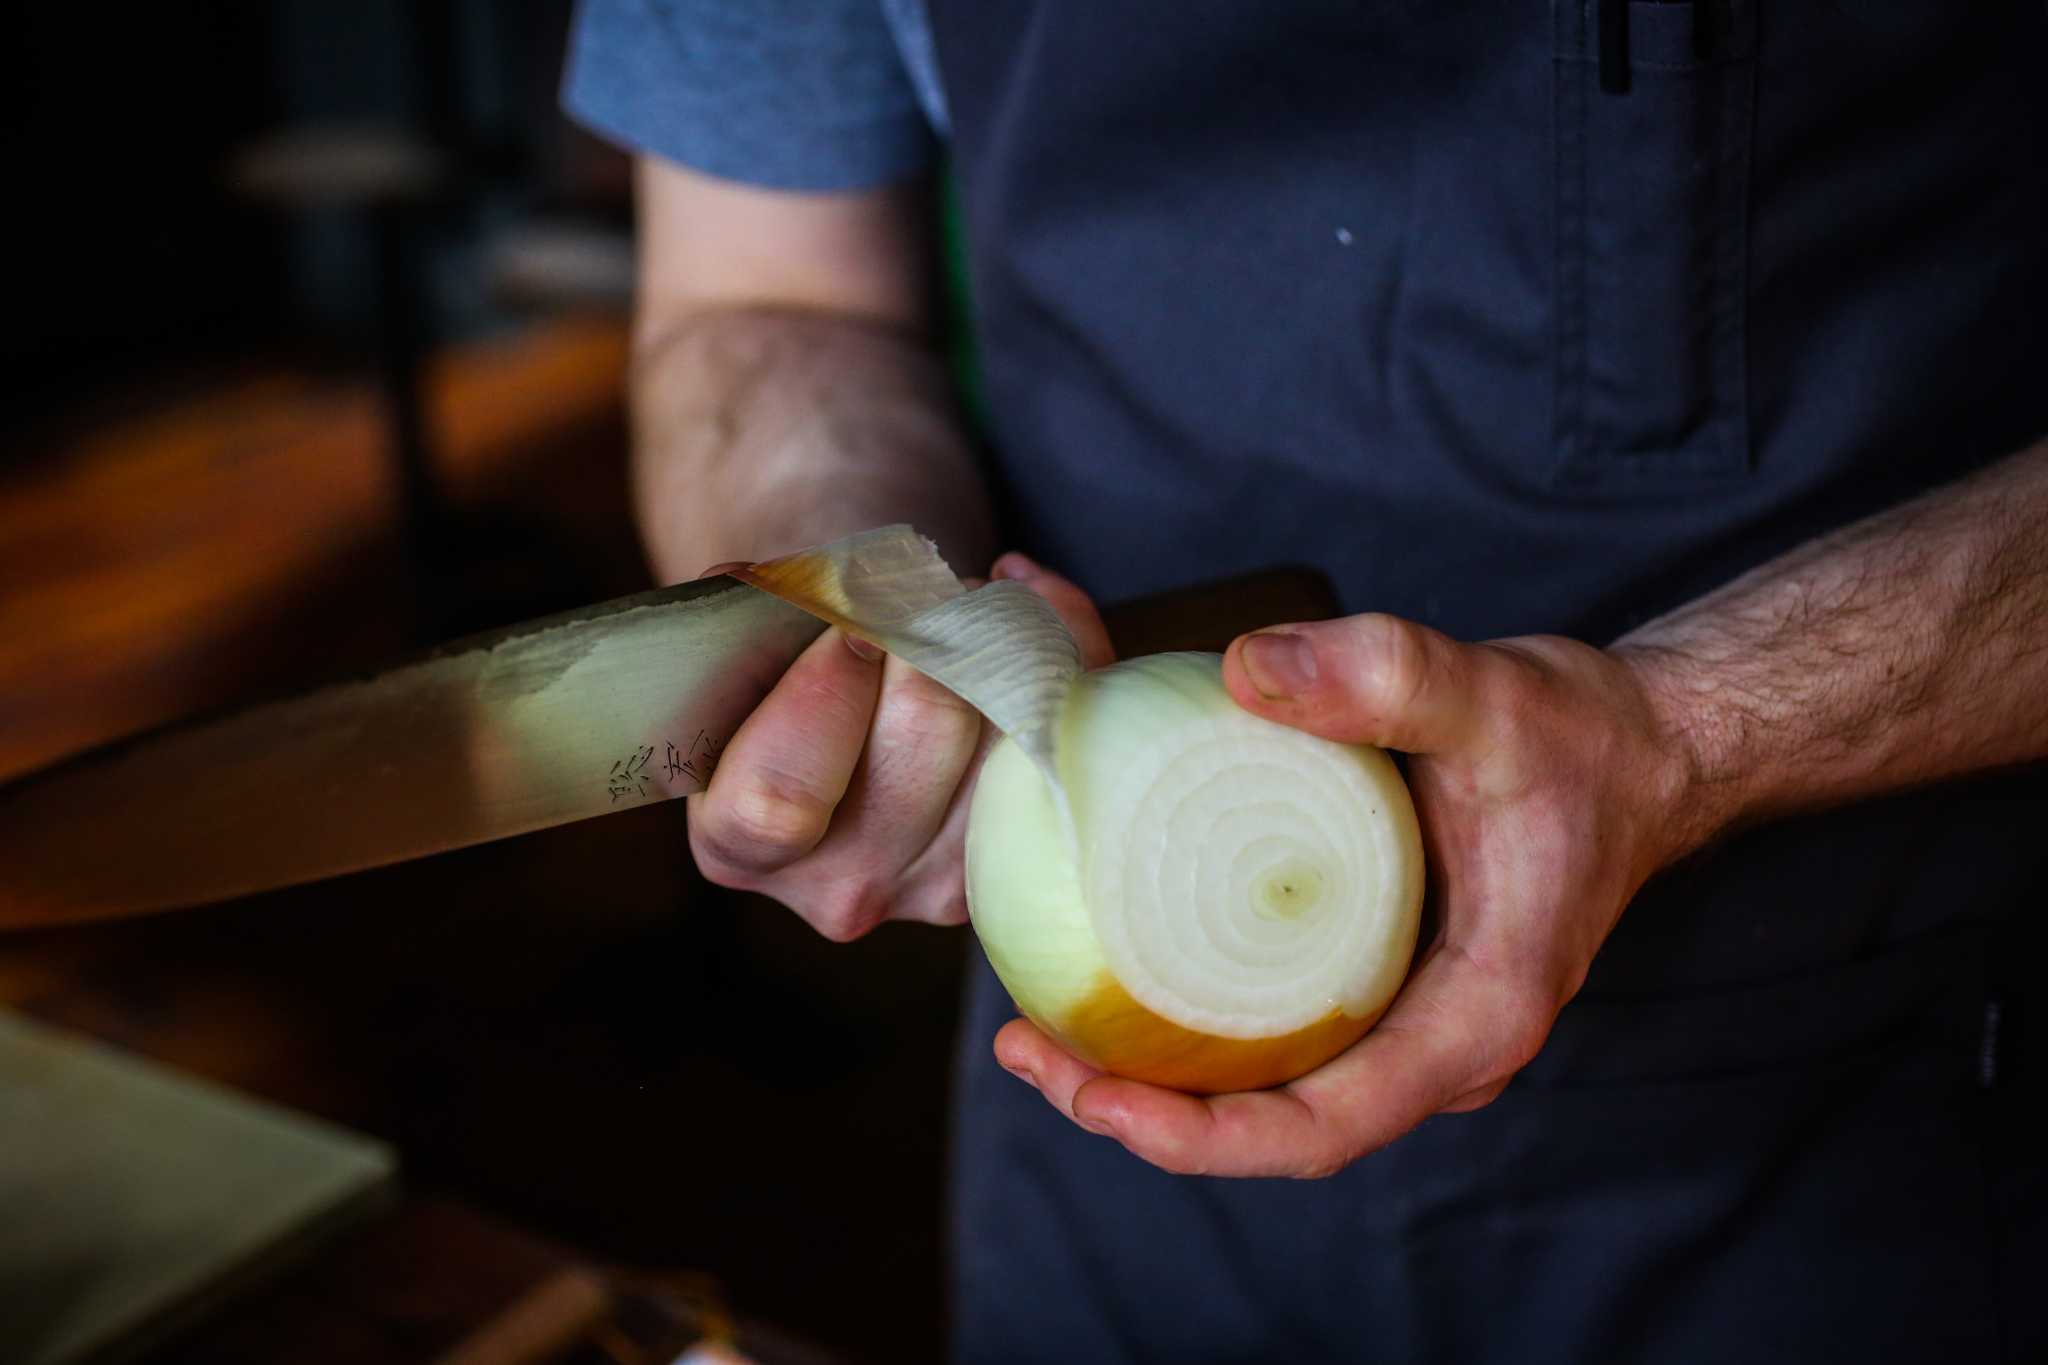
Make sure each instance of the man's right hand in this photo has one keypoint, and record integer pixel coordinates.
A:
(844, 795)
(786, 393)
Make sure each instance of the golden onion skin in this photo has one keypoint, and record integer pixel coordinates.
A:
(1111, 1031)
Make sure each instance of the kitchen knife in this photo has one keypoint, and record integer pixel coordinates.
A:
(614, 706)
(597, 710)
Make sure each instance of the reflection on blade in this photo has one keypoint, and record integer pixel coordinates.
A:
(617, 705)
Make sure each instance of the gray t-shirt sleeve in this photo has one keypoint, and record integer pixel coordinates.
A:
(786, 94)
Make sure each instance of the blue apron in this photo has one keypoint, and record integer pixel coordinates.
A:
(1517, 318)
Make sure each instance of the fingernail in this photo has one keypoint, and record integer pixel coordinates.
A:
(1023, 1074)
(725, 566)
(862, 649)
(1019, 567)
(1280, 665)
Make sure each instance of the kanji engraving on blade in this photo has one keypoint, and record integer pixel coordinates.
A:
(629, 775)
(697, 760)
(638, 773)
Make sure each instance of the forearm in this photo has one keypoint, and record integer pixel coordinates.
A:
(1906, 648)
(759, 431)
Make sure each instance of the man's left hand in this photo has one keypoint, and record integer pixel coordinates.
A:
(1548, 793)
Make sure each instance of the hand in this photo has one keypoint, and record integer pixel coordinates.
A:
(1547, 793)
(844, 795)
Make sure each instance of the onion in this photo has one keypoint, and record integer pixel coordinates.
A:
(1237, 901)
(1176, 890)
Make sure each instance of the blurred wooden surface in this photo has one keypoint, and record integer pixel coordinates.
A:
(567, 1030)
(437, 1281)
(168, 560)
(405, 1288)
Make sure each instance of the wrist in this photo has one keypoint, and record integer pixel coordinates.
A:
(781, 519)
(759, 433)
(1708, 778)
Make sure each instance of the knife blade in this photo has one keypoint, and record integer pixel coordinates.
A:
(621, 704)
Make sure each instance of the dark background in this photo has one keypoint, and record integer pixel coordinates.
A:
(141, 252)
(315, 355)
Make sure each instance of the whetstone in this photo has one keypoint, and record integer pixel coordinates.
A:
(133, 1197)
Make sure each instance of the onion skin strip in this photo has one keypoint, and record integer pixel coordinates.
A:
(1001, 647)
(871, 580)
(1115, 1033)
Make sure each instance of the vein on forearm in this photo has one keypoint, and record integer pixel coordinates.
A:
(760, 431)
(1905, 648)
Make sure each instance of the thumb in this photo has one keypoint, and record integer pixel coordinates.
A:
(1370, 679)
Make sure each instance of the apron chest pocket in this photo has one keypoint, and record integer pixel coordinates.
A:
(1652, 106)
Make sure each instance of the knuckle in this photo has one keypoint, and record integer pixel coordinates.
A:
(1529, 1014)
(846, 914)
(714, 858)
(764, 827)
(1398, 652)
(1169, 1152)
(1323, 1164)
(924, 719)
(1403, 662)
(721, 873)
(839, 927)
(1174, 1161)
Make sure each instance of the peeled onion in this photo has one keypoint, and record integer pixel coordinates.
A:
(1176, 890)
(1237, 902)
